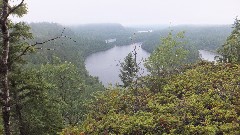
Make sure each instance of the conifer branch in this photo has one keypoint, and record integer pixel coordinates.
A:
(11, 10)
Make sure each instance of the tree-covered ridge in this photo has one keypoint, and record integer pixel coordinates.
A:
(104, 32)
(91, 37)
(198, 37)
(70, 42)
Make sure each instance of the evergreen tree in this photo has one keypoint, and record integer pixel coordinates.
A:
(128, 70)
(231, 49)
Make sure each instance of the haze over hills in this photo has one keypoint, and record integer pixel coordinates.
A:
(133, 12)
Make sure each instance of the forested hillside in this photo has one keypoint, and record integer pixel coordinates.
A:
(48, 74)
(70, 41)
(105, 31)
(200, 37)
(197, 37)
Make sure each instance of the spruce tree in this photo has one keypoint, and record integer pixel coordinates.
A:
(128, 70)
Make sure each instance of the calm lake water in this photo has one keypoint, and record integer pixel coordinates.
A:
(106, 64)
(207, 55)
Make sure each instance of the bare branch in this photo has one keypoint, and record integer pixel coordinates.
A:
(41, 43)
(28, 47)
(63, 31)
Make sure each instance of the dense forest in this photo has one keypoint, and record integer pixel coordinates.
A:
(201, 37)
(46, 89)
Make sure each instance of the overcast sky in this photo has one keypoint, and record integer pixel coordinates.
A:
(128, 12)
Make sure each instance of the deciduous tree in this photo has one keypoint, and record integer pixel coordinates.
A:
(169, 55)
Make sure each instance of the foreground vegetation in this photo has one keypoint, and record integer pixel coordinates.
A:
(203, 99)
(45, 88)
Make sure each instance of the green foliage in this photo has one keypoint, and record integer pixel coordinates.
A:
(168, 56)
(46, 100)
(208, 99)
(19, 31)
(49, 97)
(71, 131)
(21, 11)
(33, 109)
(204, 99)
(68, 87)
(128, 70)
(231, 49)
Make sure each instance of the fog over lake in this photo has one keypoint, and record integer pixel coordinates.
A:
(106, 64)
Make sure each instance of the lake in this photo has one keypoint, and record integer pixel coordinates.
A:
(207, 55)
(106, 64)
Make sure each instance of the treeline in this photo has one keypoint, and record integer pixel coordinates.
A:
(197, 37)
(200, 37)
(103, 32)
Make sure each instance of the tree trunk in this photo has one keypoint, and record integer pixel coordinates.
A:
(4, 69)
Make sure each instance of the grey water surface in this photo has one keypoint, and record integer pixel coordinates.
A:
(208, 55)
(106, 64)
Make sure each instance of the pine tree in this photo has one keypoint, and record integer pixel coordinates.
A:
(128, 70)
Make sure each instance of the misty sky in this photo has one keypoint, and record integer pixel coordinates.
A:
(128, 12)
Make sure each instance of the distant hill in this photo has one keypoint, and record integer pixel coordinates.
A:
(102, 27)
(91, 37)
(105, 31)
(209, 37)
(71, 48)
